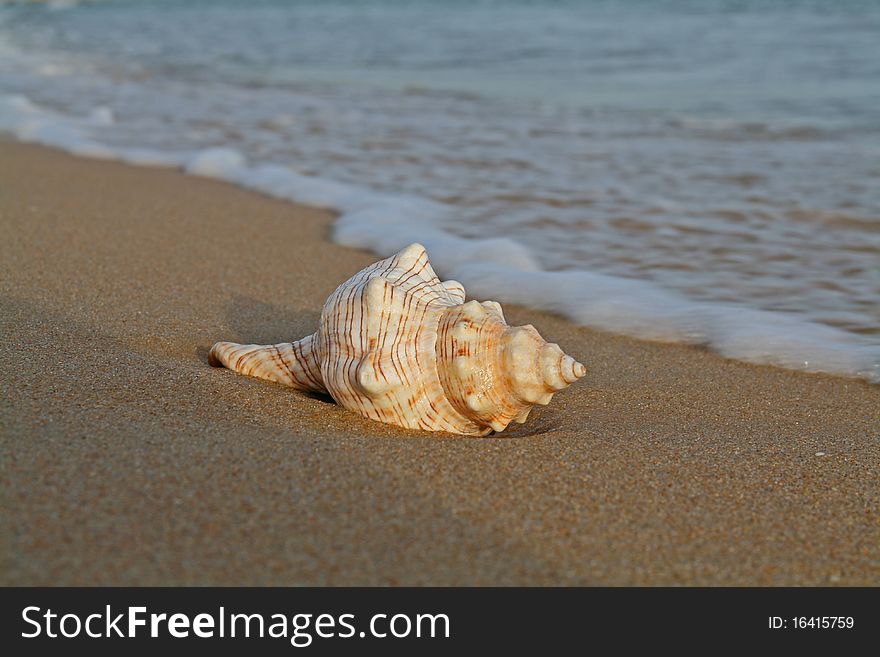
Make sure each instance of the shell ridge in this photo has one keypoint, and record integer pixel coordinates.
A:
(410, 273)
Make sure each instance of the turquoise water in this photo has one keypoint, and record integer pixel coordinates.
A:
(701, 171)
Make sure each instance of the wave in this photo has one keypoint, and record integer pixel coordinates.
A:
(497, 267)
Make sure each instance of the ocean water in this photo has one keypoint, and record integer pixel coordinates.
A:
(699, 171)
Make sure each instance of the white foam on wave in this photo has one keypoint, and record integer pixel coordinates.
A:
(379, 222)
(33, 124)
(644, 310)
(102, 115)
(497, 268)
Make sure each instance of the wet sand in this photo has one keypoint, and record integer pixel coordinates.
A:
(126, 459)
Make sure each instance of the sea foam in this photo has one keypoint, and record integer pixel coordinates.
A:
(499, 268)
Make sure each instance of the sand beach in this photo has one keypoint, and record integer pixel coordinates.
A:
(128, 460)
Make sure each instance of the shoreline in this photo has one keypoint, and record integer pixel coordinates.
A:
(128, 460)
(494, 266)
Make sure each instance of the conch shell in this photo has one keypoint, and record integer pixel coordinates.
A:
(398, 345)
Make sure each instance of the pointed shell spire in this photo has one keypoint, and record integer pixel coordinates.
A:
(398, 345)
